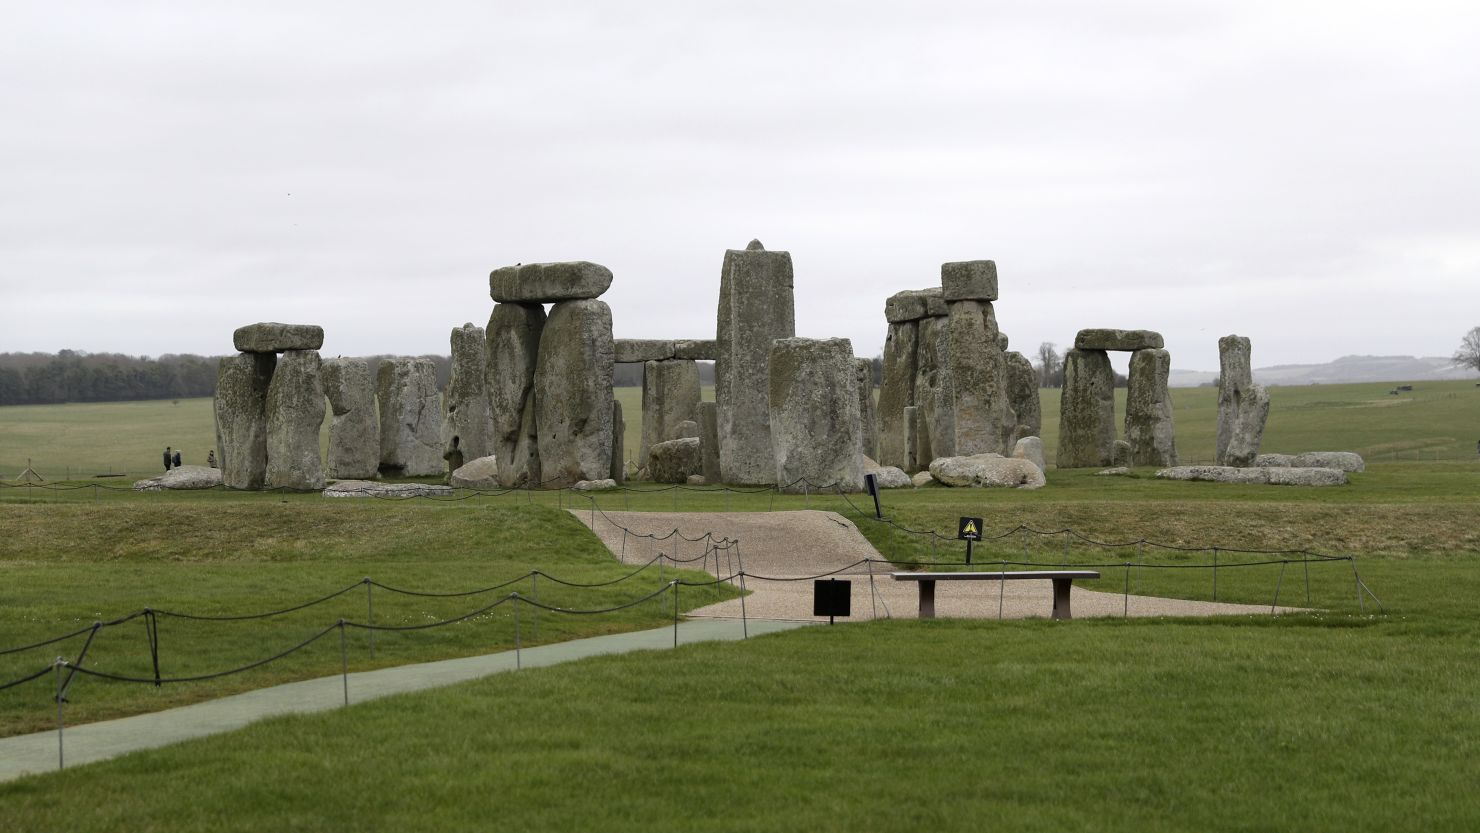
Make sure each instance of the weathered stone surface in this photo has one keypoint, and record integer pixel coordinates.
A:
(619, 442)
(890, 477)
(674, 460)
(697, 480)
(987, 470)
(1002, 341)
(241, 418)
(410, 418)
(469, 415)
(868, 415)
(547, 283)
(295, 413)
(1122, 455)
(480, 473)
(1347, 461)
(354, 430)
(922, 479)
(370, 488)
(1274, 461)
(709, 440)
(1254, 475)
(969, 280)
(1030, 449)
(272, 337)
(670, 396)
(1087, 411)
(935, 427)
(181, 477)
(814, 414)
(912, 439)
(906, 306)
(605, 485)
(896, 392)
(1243, 406)
(979, 380)
(1148, 410)
(513, 349)
(1023, 396)
(1122, 340)
(756, 307)
(935, 303)
(641, 350)
(573, 393)
(696, 348)
(688, 429)
(1118, 471)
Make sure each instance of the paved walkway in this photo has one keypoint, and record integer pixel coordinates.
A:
(25, 754)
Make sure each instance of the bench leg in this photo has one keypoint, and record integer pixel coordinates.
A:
(927, 599)
(1061, 598)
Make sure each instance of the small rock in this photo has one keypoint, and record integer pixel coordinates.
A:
(697, 480)
(980, 470)
(675, 460)
(1347, 461)
(890, 477)
(1274, 461)
(605, 485)
(1030, 449)
(922, 479)
(1118, 471)
(480, 473)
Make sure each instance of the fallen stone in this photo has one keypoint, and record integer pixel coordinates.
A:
(709, 440)
(410, 418)
(513, 349)
(573, 393)
(1120, 340)
(890, 477)
(480, 473)
(981, 470)
(694, 348)
(295, 413)
(1253, 475)
(181, 477)
(369, 488)
(814, 414)
(969, 280)
(1274, 461)
(756, 306)
(240, 407)
(604, 485)
(272, 337)
(1347, 461)
(674, 461)
(630, 350)
(1149, 427)
(697, 480)
(547, 283)
(354, 430)
(670, 397)
(1030, 449)
(922, 479)
(1087, 411)
(1297, 476)
(1118, 471)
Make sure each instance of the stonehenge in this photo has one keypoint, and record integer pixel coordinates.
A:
(756, 307)
(1087, 406)
(1243, 406)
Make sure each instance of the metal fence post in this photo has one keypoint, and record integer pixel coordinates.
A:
(344, 661)
(370, 613)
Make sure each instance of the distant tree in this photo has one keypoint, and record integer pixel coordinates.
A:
(1050, 366)
(1468, 354)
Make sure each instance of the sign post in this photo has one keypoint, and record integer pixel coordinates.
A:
(872, 483)
(970, 531)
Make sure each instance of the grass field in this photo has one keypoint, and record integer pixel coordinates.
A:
(1437, 421)
(1339, 719)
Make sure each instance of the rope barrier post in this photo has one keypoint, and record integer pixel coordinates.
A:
(61, 759)
(744, 621)
(344, 661)
(1067, 536)
(370, 612)
(1025, 543)
(1278, 582)
(151, 631)
(534, 592)
(518, 648)
(1361, 605)
(873, 594)
(623, 556)
(675, 613)
(593, 514)
(806, 495)
(1126, 612)
(1305, 561)
(1215, 574)
(1002, 589)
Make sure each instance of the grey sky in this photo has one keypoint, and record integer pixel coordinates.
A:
(1302, 173)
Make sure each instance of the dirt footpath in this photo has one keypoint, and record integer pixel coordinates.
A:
(777, 546)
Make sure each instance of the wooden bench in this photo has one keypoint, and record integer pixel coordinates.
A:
(1062, 580)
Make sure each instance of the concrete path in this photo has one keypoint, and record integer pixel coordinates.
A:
(25, 754)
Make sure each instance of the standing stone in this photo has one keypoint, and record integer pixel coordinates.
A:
(897, 391)
(573, 393)
(756, 307)
(1031, 449)
(814, 414)
(670, 396)
(868, 417)
(1243, 406)
(354, 434)
(619, 441)
(911, 439)
(241, 418)
(935, 423)
(468, 414)
(295, 413)
(979, 380)
(709, 441)
(410, 418)
(1148, 410)
(513, 347)
(1087, 412)
(1022, 396)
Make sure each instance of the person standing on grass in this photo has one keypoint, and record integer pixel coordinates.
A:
(177, 458)
(167, 458)
(211, 458)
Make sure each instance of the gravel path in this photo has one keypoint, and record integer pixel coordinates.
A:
(788, 545)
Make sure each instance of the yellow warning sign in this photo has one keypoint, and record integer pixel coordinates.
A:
(970, 529)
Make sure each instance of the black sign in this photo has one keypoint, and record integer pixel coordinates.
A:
(970, 529)
(872, 484)
(832, 597)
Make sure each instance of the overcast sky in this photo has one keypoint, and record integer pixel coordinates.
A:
(1306, 174)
